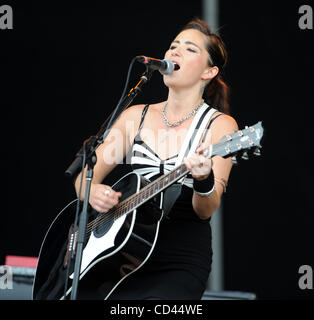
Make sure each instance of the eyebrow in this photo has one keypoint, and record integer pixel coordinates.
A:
(187, 42)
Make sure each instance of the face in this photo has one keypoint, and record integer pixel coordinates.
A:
(189, 53)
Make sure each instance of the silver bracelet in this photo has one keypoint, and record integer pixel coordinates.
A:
(222, 183)
(205, 194)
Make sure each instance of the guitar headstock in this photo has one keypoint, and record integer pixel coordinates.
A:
(239, 143)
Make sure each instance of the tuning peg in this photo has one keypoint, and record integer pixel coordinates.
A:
(245, 156)
(257, 152)
(234, 160)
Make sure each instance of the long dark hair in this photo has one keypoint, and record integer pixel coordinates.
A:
(216, 92)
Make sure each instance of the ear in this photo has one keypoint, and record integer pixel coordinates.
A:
(210, 73)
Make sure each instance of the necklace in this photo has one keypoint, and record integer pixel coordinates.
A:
(175, 124)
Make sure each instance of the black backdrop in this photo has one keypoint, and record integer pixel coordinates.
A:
(62, 72)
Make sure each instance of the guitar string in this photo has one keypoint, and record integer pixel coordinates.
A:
(148, 190)
(105, 217)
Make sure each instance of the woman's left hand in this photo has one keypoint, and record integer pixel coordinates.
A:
(198, 165)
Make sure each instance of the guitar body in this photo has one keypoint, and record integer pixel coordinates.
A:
(115, 247)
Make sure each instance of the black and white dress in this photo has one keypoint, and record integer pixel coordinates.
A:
(181, 261)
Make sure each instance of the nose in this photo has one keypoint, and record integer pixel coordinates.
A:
(175, 52)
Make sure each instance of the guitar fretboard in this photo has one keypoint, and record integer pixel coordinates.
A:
(149, 191)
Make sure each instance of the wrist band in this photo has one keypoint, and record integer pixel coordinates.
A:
(204, 187)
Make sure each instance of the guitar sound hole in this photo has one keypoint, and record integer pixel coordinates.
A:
(102, 224)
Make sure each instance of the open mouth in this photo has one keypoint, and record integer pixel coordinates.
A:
(176, 66)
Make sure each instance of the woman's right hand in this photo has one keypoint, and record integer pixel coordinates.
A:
(102, 198)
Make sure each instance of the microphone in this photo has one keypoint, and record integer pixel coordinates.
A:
(163, 66)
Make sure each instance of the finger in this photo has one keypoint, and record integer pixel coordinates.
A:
(100, 209)
(104, 197)
(105, 204)
(103, 190)
(200, 148)
(201, 161)
(193, 164)
(195, 161)
(198, 159)
(112, 201)
(109, 192)
(204, 150)
(188, 163)
(115, 195)
(98, 206)
(204, 162)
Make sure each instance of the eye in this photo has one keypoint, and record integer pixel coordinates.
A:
(191, 50)
(172, 47)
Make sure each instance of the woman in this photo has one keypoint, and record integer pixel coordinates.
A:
(180, 264)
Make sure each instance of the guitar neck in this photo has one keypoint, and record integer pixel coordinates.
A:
(150, 190)
(155, 187)
(228, 146)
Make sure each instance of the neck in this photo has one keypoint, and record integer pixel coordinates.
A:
(182, 102)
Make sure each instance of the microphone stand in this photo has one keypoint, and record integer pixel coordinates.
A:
(89, 147)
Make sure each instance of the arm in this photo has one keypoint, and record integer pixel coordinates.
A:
(200, 167)
(110, 153)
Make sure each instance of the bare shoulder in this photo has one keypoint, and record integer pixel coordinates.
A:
(131, 114)
(134, 112)
(223, 125)
(129, 121)
(225, 122)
